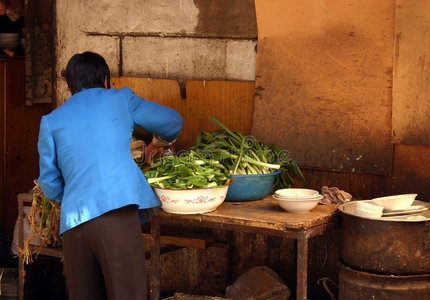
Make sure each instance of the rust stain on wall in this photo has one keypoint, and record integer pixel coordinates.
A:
(226, 18)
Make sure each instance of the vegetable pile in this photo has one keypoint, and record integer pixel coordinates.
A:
(219, 154)
(244, 154)
(187, 171)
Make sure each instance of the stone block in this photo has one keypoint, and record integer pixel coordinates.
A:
(106, 46)
(188, 58)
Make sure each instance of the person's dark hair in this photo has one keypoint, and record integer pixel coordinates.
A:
(86, 70)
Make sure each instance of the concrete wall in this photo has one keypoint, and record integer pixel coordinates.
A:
(39, 51)
(169, 39)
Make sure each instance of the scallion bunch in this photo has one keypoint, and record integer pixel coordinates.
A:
(244, 154)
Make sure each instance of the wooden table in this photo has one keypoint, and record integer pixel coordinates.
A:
(261, 216)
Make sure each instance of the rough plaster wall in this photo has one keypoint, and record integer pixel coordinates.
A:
(180, 39)
(38, 51)
(137, 16)
(324, 77)
(411, 82)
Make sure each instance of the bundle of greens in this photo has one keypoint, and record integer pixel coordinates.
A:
(188, 170)
(44, 219)
(244, 154)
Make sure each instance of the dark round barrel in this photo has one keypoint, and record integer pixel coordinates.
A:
(358, 285)
(384, 247)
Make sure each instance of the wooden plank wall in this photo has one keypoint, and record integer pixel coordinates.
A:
(411, 174)
(231, 102)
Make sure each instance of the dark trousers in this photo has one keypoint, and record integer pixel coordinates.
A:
(105, 258)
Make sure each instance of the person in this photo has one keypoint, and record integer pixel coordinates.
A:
(86, 163)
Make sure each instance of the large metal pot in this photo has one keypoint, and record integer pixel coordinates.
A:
(392, 247)
(357, 285)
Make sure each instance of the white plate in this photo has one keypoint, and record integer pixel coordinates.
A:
(409, 218)
(413, 209)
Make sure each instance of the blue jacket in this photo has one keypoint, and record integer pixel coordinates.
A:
(85, 157)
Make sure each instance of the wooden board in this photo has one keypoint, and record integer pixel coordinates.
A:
(182, 239)
(231, 102)
(411, 82)
(323, 76)
(263, 215)
(411, 172)
(409, 176)
(3, 214)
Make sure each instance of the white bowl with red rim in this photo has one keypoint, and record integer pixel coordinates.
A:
(191, 201)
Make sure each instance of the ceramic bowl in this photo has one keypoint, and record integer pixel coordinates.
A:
(367, 214)
(250, 187)
(300, 206)
(369, 207)
(395, 202)
(296, 193)
(315, 197)
(9, 34)
(191, 201)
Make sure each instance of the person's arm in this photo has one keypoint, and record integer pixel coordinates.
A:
(50, 179)
(165, 122)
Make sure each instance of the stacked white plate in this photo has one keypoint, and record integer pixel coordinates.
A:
(297, 201)
(368, 210)
(9, 40)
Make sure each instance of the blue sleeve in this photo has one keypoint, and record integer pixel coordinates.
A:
(154, 117)
(50, 179)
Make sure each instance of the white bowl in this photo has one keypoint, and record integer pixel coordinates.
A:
(395, 202)
(9, 35)
(296, 193)
(9, 39)
(367, 214)
(293, 198)
(191, 201)
(298, 206)
(370, 207)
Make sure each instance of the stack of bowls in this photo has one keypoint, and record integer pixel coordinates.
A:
(297, 201)
(9, 40)
(368, 210)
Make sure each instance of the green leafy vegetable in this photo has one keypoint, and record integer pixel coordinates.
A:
(188, 170)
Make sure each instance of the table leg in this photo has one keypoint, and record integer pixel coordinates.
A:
(20, 246)
(302, 268)
(155, 260)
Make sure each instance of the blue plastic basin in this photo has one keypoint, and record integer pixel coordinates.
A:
(250, 187)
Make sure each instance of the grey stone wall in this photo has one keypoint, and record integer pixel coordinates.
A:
(172, 39)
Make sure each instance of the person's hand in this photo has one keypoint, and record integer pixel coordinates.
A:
(151, 151)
